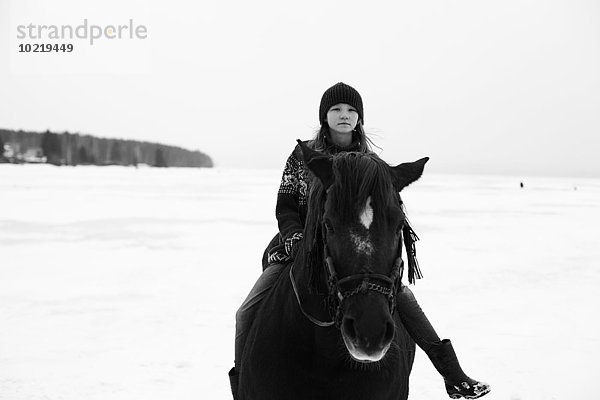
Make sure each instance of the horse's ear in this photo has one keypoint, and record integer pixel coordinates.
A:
(319, 163)
(406, 173)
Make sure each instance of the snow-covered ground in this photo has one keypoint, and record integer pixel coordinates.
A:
(122, 283)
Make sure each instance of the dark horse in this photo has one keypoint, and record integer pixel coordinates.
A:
(346, 277)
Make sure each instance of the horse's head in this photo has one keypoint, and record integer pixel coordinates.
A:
(354, 234)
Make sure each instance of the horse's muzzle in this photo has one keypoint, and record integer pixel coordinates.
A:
(367, 334)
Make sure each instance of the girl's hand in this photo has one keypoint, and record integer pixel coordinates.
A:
(293, 244)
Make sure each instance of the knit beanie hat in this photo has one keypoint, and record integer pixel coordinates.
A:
(340, 93)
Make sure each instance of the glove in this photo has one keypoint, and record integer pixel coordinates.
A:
(278, 255)
(292, 244)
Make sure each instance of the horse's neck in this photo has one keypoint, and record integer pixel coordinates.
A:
(302, 275)
(312, 303)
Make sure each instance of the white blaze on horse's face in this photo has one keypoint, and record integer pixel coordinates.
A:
(362, 242)
(366, 217)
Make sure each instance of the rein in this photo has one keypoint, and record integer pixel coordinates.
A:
(307, 315)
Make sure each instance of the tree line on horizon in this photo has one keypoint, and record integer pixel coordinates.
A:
(75, 149)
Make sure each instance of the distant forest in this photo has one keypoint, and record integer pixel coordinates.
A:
(75, 149)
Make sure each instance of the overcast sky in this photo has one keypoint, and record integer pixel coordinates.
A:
(508, 86)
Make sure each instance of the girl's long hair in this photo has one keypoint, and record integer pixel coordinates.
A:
(320, 142)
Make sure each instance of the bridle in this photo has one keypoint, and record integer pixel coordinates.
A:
(339, 290)
(342, 289)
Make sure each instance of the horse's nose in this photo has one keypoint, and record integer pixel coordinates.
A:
(349, 329)
(389, 332)
(371, 338)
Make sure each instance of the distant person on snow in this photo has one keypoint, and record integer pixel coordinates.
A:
(341, 119)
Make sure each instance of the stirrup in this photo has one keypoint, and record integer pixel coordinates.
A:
(473, 390)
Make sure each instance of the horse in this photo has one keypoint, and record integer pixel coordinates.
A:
(328, 328)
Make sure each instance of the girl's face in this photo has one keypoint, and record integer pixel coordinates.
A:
(342, 118)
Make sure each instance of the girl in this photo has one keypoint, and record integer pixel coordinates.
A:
(341, 118)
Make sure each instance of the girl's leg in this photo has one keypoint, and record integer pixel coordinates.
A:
(245, 316)
(247, 311)
(415, 321)
(440, 352)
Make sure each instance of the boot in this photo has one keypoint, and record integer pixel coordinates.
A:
(234, 378)
(458, 384)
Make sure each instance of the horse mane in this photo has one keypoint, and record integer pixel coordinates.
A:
(357, 176)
